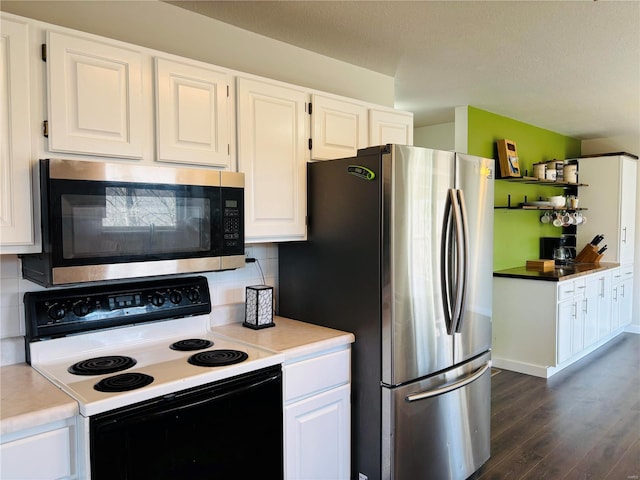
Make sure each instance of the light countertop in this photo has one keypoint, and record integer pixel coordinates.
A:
(29, 400)
(290, 337)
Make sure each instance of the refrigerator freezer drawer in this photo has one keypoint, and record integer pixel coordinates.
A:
(438, 427)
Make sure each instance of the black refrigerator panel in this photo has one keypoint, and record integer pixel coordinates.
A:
(333, 279)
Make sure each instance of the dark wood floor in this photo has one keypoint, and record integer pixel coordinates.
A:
(582, 423)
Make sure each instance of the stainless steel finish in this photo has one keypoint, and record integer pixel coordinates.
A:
(441, 436)
(415, 340)
(117, 271)
(474, 176)
(231, 179)
(424, 211)
(452, 386)
(463, 258)
(129, 172)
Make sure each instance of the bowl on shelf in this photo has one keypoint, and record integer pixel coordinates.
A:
(557, 201)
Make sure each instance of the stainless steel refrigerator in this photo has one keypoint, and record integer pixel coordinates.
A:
(399, 252)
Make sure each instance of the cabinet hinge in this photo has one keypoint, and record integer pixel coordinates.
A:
(310, 144)
(45, 128)
(43, 52)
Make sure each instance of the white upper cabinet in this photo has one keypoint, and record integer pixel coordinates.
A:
(611, 199)
(338, 128)
(16, 213)
(273, 131)
(193, 114)
(390, 126)
(95, 94)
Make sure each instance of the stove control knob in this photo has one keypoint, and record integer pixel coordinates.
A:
(175, 297)
(157, 299)
(81, 308)
(193, 295)
(56, 312)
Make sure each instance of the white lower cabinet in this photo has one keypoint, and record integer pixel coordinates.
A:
(541, 327)
(317, 417)
(622, 297)
(43, 453)
(570, 319)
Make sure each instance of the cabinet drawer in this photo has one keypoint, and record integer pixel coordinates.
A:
(580, 285)
(625, 273)
(316, 374)
(566, 290)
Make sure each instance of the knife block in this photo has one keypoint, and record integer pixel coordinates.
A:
(589, 254)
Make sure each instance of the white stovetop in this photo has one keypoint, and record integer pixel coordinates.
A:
(150, 348)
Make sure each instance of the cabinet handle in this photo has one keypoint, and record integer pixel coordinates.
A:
(602, 288)
(586, 306)
(615, 294)
(624, 239)
(622, 290)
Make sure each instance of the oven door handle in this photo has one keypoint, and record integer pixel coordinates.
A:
(208, 399)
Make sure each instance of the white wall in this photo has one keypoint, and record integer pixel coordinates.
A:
(441, 136)
(629, 144)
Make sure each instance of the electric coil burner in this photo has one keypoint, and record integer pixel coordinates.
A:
(217, 358)
(191, 344)
(123, 382)
(101, 365)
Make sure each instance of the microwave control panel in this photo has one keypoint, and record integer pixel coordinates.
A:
(232, 220)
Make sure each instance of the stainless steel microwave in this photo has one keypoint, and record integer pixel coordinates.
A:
(108, 221)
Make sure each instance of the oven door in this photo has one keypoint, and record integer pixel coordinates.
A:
(231, 429)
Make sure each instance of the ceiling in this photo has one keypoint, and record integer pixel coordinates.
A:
(572, 67)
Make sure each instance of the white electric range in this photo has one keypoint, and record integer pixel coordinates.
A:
(119, 348)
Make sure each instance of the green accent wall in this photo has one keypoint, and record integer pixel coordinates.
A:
(517, 232)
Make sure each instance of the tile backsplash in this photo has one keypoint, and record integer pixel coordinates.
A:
(227, 295)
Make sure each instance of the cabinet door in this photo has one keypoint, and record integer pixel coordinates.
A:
(192, 114)
(95, 97)
(590, 311)
(627, 208)
(603, 311)
(625, 292)
(273, 152)
(317, 436)
(565, 316)
(16, 213)
(338, 128)
(577, 325)
(43, 456)
(390, 127)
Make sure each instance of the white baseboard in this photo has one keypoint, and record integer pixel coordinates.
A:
(632, 329)
(546, 371)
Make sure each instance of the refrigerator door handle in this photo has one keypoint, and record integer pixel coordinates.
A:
(446, 268)
(463, 261)
(453, 386)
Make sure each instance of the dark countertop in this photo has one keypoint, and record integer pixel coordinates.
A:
(566, 272)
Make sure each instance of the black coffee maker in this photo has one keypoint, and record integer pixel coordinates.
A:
(559, 249)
